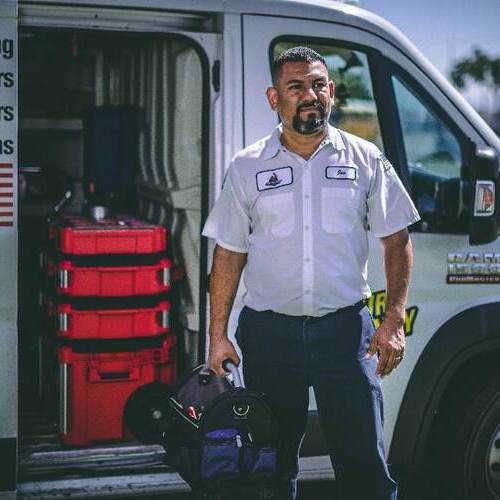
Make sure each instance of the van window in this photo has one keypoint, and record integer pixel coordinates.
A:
(429, 144)
(434, 161)
(354, 110)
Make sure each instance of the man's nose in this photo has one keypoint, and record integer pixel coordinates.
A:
(309, 94)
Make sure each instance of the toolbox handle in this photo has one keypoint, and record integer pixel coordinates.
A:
(64, 274)
(164, 273)
(63, 322)
(101, 376)
(63, 398)
(228, 365)
(162, 318)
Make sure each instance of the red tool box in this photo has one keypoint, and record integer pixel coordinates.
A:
(108, 319)
(80, 278)
(75, 234)
(104, 298)
(93, 388)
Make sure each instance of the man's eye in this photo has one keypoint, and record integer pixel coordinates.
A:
(294, 87)
(320, 85)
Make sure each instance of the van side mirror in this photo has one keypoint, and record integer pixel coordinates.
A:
(485, 183)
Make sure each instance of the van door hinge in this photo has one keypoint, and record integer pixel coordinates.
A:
(216, 75)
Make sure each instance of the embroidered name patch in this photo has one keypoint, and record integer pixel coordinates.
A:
(340, 172)
(272, 179)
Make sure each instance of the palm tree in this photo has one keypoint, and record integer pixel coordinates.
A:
(482, 69)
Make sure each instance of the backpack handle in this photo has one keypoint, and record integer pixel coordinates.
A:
(228, 365)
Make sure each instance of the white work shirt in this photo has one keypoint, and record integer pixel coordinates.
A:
(304, 223)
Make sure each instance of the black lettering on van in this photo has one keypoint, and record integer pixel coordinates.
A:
(7, 48)
(6, 113)
(6, 147)
(6, 80)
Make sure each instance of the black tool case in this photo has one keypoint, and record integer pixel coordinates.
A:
(221, 438)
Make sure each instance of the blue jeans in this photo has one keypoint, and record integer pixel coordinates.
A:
(284, 355)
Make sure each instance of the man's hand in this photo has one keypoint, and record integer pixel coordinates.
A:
(389, 342)
(219, 351)
(389, 339)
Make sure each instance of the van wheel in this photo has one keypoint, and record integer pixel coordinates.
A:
(471, 451)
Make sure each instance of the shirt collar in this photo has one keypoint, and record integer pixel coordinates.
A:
(273, 143)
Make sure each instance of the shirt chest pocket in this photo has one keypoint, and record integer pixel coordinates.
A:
(339, 209)
(277, 214)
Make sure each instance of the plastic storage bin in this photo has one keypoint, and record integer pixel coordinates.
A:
(85, 279)
(107, 319)
(75, 234)
(94, 387)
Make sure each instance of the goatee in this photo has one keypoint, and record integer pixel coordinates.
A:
(314, 121)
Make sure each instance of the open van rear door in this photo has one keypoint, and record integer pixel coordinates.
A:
(8, 246)
(164, 63)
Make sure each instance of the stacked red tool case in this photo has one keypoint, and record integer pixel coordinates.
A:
(107, 321)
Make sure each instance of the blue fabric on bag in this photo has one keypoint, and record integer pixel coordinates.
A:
(222, 434)
(220, 454)
(263, 461)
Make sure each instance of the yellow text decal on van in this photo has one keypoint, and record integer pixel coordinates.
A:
(376, 305)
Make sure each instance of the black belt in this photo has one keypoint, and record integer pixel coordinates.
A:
(359, 303)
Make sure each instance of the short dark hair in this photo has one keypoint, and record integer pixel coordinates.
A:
(294, 54)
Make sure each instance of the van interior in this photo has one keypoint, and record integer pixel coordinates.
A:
(158, 86)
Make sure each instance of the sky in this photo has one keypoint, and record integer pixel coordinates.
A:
(446, 30)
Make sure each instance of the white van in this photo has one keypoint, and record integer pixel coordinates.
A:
(197, 71)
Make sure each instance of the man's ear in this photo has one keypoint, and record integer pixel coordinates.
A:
(331, 89)
(272, 98)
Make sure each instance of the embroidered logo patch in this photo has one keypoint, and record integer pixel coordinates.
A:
(385, 162)
(341, 172)
(272, 179)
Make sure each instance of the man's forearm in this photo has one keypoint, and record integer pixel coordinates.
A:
(398, 261)
(226, 271)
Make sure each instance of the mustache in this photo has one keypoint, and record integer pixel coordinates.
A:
(312, 104)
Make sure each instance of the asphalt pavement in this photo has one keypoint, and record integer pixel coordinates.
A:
(307, 490)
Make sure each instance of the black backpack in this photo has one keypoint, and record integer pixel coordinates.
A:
(221, 438)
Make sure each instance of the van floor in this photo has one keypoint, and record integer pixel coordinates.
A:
(42, 456)
(49, 470)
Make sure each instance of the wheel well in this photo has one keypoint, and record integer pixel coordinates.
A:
(471, 374)
(417, 477)
(437, 469)
(467, 378)
(464, 351)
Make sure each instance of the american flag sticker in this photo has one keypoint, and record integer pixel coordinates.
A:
(6, 195)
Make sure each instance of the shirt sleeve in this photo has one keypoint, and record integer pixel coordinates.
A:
(390, 207)
(229, 222)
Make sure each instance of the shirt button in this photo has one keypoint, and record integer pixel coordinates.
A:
(306, 228)
(308, 291)
(306, 196)
(307, 259)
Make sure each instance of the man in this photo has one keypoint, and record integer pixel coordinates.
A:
(294, 211)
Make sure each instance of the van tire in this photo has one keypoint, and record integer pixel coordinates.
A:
(469, 453)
